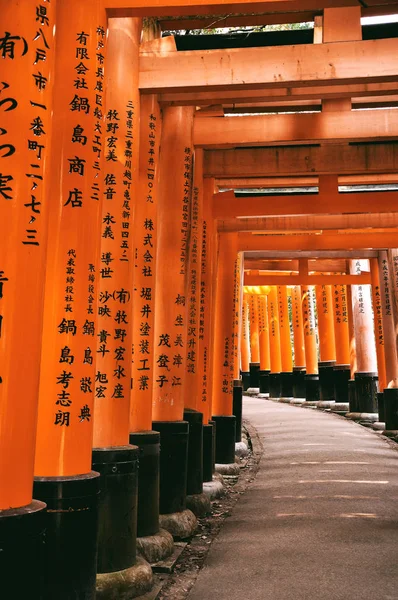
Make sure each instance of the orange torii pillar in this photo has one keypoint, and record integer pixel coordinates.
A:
(311, 351)
(274, 343)
(112, 453)
(27, 58)
(237, 394)
(379, 339)
(365, 399)
(171, 318)
(144, 237)
(207, 286)
(192, 385)
(245, 342)
(64, 478)
(299, 346)
(286, 376)
(390, 394)
(254, 344)
(327, 343)
(342, 372)
(223, 349)
(265, 358)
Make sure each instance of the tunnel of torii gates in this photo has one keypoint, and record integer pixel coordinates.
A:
(177, 225)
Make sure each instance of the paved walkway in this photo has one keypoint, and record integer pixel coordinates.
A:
(320, 521)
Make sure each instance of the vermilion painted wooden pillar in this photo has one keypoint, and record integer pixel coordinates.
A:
(298, 340)
(286, 344)
(275, 344)
(171, 317)
(378, 323)
(366, 374)
(390, 394)
(192, 382)
(245, 342)
(223, 362)
(206, 329)
(112, 452)
(342, 371)
(265, 358)
(311, 351)
(237, 395)
(327, 341)
(254, 341)
(67, 380)
(387, 313)
(27, 61)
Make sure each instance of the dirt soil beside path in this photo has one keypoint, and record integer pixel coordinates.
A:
(178, 584)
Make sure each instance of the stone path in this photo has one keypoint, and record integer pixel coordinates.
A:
(320, 521)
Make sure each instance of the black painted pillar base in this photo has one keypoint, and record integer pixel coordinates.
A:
(326, 380)
(117, 532)
(312, 391)
(225, 439)
(22, 563)
(366, 392)
(299, 382)
(274, 385)
(254, 375)
(195, 451)
(208, 451)
(71, 535)
(237, 408)
(391, 408)
(245, 380)
(380, 404)
(286, 379)
(173, 465)
(148, 443)
(264, 381)
(352, 396)
(341, 376)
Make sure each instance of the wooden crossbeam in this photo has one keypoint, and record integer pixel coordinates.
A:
(279, 94)
(285, 161)
(267, 130)
(363, 279)
(158, 8)
(226, 205)
(371, 61)
(352, 241)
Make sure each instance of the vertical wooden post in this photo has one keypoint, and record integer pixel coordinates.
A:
(27, 61)
(265, 357)
(342, 371)
(390, 394)
(378, 323)
(366, 375)
(387, 294)
(299, 347)
(206, 330)
(170, 327)
(311, 351)
(67, 379)
(286, 344)
(254, 342)
(223, 373)
(245, 342)
(275, 344)
(327, 342)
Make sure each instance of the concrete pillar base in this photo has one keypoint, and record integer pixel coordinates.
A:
(228, 469)
(391, 408)
(274, 385)
(262, 395)
(286, 400)
(126, 584)
(209, 440)
(214, 489)
(311, 388)
(326, 379)
(378, 426)
(154, 548)
(195, 451)
(365, 417)
(299, 382)
(391, 433)
(325, 404)
(252, 391)
(199, 504)
(241, 449)
(310, 404)
(380, 404)
(366, 392)
(237, 408)
(298, 401)
(287, 381)
(341, 375)
(181, 525)
(341, 408)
